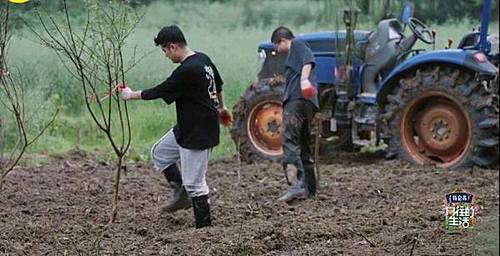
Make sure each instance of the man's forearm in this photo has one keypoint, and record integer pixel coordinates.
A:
(220, 97)
(135, 95)
(306, 71)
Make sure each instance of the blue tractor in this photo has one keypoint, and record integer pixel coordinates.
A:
(430, 108)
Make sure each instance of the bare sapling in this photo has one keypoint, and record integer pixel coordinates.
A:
(13, 144)
(93, 53)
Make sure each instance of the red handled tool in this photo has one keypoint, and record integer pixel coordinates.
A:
(119, 86)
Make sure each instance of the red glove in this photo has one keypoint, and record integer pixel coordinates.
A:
(225, 117)
(307, 88)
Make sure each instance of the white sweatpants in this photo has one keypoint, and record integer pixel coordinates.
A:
(194, 163)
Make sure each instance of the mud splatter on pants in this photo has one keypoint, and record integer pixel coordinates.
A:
(297, 118)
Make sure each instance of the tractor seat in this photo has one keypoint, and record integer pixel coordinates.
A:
(360, 43)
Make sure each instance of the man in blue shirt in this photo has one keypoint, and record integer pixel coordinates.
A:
(300, 103)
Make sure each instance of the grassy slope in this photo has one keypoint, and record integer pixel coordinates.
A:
(212, 28)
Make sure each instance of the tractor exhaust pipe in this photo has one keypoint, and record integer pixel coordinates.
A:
(485, 21)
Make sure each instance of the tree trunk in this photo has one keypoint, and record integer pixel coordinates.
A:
(116, 187)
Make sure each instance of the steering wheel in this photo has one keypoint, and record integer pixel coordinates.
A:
(422, 31)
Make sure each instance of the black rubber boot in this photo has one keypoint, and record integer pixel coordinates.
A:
(180, 199)
(309, 178)
(201, 211)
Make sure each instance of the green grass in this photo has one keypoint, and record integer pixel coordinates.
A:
(214, 28)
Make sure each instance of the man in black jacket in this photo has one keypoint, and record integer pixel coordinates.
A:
(196, 88)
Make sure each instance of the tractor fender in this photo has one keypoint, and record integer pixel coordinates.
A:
(456, 57)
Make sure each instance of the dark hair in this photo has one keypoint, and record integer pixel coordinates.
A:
(170, 34)
(281, 33)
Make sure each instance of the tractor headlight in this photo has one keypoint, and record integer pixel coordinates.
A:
(261, 56)
(479, 57)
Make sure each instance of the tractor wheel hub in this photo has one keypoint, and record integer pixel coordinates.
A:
(434, 128)
(265, 127)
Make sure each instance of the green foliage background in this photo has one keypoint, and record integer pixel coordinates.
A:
(227, 30)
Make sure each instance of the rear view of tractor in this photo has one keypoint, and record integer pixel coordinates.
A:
(430, 108)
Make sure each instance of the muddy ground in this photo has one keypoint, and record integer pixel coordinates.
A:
(366, 206)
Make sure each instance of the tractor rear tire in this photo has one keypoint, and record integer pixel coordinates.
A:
(442, 116)
(258, 125)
